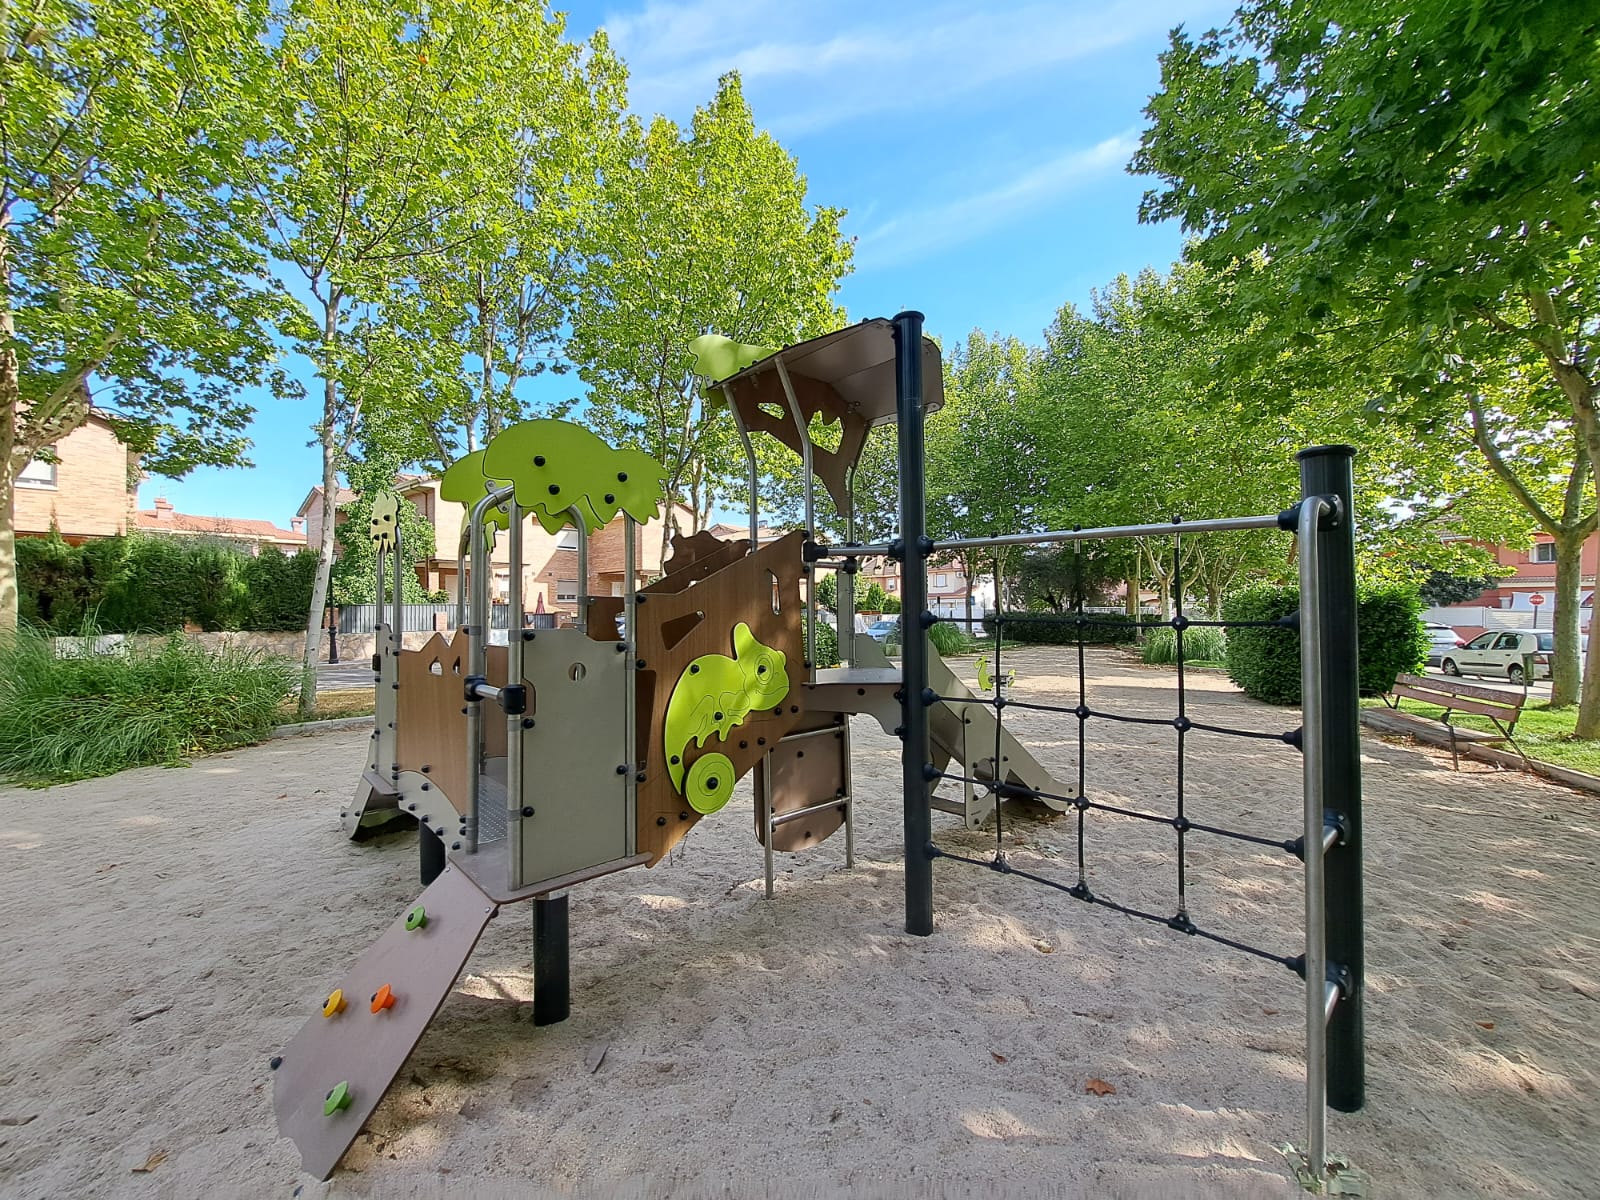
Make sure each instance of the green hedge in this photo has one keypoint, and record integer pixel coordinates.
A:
(151, 584)
(1060, 629)
(1265, 663)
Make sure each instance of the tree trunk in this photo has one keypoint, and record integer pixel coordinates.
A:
(1564, 666)
(328, 506)
(10, 401)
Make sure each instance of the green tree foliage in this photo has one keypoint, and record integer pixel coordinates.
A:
(1410, 176)
(828, 590)
(1442, 588)
(705, 232)
(128, 259)
(354, 577)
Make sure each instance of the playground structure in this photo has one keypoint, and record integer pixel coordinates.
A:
(622, 731)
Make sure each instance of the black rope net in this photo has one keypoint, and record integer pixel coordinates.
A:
(1179, 819)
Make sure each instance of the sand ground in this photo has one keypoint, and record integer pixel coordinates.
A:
(166, 931)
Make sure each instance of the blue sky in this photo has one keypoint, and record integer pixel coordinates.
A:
(979, 149)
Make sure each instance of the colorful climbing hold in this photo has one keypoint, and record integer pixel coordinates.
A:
(382, 998)
(416, 919)
(337, 1099)
(334, 1004)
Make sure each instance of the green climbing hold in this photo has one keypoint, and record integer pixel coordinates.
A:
(416, 919)
(338, 1098)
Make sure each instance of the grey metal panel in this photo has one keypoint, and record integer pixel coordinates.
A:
(579, 698)
(366, 1050)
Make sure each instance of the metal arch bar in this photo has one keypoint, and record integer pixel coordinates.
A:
(1318, 1005)
(461, 572)
(583, 568)
(1215, 525)
(811, 507)
(629, 633)
(755, 475)
(514, 656)
(478, 656)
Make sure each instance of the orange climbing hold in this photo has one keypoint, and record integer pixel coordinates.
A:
(383, 998)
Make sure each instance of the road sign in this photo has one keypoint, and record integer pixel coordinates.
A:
(1536, 599)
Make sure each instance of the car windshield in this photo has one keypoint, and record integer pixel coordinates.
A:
(1547, 641)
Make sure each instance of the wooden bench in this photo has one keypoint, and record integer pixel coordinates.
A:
(1502, 707)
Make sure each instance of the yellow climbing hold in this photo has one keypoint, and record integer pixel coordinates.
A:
(335, 1004)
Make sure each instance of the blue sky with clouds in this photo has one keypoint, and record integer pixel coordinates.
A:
(979, 149)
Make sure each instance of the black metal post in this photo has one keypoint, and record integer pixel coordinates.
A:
(1326, 471)
(333, 635)
(430, 854)
(552, 983)
(914, 647)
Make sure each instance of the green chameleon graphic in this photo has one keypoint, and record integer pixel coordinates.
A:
(714, 694)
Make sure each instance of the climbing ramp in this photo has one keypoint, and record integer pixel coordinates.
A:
(333, 1074)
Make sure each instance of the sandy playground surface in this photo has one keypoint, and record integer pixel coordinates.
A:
(167, 931)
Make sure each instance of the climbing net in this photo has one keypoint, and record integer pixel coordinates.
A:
(1085, 627)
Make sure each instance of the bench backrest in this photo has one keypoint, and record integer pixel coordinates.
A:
(1461, 697)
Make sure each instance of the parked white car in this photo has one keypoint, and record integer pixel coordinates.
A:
(1503, 654)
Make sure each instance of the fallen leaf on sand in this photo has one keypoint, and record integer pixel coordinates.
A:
(151, 1163)
(595, 1056)
(1485, 1024)
(16, 1121)
(1269, 1012)
(999, 1058)
(1044, 947)
(104, 869)
(1099, 1087)
(150, 1012)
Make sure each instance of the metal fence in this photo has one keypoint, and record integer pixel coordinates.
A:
(425, 618)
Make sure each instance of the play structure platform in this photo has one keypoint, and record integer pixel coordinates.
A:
(577, 752)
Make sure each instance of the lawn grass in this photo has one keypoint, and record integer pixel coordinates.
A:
(1542, 732)
(345, 702)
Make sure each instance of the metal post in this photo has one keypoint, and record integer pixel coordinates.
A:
(1327, 471)
(914, 598)
(811, 508)
(397, 625)
(583, 568)
(552, 982)
(750, 464)
(1312, 683)
(514, 653)
(377, 596)
(629, 633)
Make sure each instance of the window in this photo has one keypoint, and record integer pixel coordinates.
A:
(1481, 642)
(890, 585)
(1544, 552)
(567, 539)
(38, 475)
(1508, 641)
(566, 590)
(941, 582)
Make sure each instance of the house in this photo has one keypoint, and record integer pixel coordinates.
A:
(1525, 596)
(947, 585)
(89, 491)
(247, 534)
(550, 561)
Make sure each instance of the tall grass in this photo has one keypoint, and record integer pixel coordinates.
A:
(76, 718)
(947, 639)
(1204, 644)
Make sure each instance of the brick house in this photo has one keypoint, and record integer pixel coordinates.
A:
(88, 492)
(1524, 573)
(947, 585)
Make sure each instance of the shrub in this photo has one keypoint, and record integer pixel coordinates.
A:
(1265, 663)
(278, 587)
(1049, 629)
(1205, 644)
(891, 605)
(947, 639)
(75, 718)
(827, 645)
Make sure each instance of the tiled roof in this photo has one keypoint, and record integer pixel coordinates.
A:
(151, 521)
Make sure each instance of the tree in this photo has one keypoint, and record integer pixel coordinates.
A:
(705, 233)
(372, 168)
(129, 270)
(1444, 588)
(354, 577)
(1405, 174)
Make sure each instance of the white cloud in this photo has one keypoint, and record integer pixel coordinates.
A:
(918, 234)
(815, 65)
